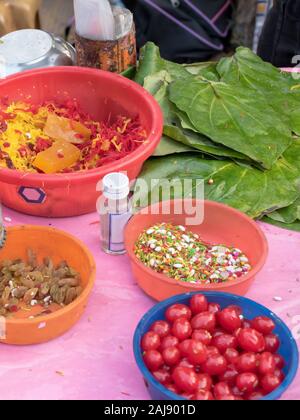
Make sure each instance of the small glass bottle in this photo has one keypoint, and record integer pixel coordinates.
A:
(115, 213)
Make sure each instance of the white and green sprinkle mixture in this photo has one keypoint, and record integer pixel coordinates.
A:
(181, 255)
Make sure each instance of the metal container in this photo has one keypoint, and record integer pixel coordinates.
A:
(29, 49)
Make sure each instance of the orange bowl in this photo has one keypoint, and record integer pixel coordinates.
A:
(102, 95)
(60, 246)
(221, 225)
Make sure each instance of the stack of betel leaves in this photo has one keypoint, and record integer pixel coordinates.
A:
(236, 125)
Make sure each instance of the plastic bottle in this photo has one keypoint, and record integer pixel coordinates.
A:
(115, 213)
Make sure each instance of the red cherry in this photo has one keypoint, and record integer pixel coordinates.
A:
(279, 361)
(267, 364)
(236, 392)
(186, 363)
(198, 304)
(224, 342)
(205, 382)
(251, 340)
(270, 382)
(255, 396)
(173, 388)
(185, 379)
(229, 398)
(177, 311)
(182, 329)
(169, 341)
(203, 395)
(229, 319)
(204, 321)
(203, 336)
(153, 360)
(197, 353)
(279, 373)
(188, 395)
(214, 308)
(237, 309)
(247, 362)
(171, 356)
(211, 350)
(217, 332)
(184, 347)
(247, 382)
(221, 390)
(229, 376)
(150, 341)
(162, 376)
(263, 325)
(272, 343)
(231, 355)
(162, 328)
(215, 365)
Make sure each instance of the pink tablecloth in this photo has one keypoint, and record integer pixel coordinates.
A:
(94, 360)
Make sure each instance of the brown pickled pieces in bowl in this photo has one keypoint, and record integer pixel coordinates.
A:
(25, 284)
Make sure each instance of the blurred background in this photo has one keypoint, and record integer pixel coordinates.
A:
(246, 19)
(56, 16)
(51, 15)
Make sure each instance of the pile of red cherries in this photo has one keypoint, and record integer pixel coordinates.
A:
(203, 352)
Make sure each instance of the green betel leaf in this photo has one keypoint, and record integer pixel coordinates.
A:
(294, 118)
(200, 142)
(168, 146)
(279, 88)
(288, 215)
(246, 67)
(129, 73)
(151, 62)
(290, 226)
(241, 109)
(233, 117)
(248, 189)
(207, 70)
(157, 84)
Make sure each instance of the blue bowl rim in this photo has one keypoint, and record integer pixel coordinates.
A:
(236, 300)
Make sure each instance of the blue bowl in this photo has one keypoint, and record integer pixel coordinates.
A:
(288, 349)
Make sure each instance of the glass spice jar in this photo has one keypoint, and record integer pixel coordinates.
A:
(115, 213)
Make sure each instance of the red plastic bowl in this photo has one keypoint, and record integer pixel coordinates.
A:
(221, 225)
(100, 94)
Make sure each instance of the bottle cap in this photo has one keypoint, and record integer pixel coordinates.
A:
(116, 186)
